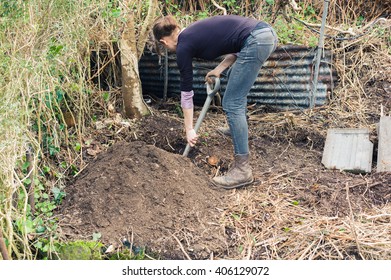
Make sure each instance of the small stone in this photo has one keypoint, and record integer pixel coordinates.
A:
(213, 160)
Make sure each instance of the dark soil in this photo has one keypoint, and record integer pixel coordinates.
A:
(145, 194)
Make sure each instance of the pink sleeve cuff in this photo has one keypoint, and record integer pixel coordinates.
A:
(187, 99)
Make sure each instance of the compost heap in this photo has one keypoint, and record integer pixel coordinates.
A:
(148, 196)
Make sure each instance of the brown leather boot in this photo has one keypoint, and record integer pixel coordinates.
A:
(239, 175)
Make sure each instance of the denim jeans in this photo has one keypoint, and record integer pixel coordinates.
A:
(257, 48)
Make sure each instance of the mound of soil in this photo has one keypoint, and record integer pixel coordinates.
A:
(149, 196)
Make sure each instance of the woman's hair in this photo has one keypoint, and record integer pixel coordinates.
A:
(164, 27)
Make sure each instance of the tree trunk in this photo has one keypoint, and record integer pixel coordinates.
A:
(131, 51)
(134, 105)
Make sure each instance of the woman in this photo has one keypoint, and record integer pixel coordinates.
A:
(247, 44)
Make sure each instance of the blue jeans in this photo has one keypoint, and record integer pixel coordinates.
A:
(257, 48)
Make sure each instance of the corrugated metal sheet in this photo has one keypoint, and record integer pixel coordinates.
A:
(384, 146)
(348, 149)
(285, 81)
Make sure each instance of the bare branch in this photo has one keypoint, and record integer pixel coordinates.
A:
(294, 5)
(146, 27)
(220, 7)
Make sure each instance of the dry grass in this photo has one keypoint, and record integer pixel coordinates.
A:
(267, 225)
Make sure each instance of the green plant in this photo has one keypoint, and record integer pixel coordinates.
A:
(77, 250)
(294, 33)
(309, 12)
(232, 6)
(312, 41)
(285, 33)
(178, 110)
(130, 255)
(202, 14)
(360, 20)
(295, 202)
(37, 222)
(106, 96)
(235, 216)
(77, 147)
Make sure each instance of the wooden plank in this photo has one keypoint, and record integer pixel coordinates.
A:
(384, 149)
(349, 150)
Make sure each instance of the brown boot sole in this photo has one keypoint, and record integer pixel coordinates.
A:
(235, 186)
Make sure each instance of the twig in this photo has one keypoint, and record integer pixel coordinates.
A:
(3, 247)
(219, 7)
(271, 241)
(307, 250)
(362, 183)
(168, 142)
(377, 216)
(131, 244)
(217, 171)
(276, 177)
(30, 186)
(149, 257)
(77, 174)
(350, 32)
(313, 256)
(294, 5)
(181, 247)
(249, 251)
(352, 223)
(336, 249)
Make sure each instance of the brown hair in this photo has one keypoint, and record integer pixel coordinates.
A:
(164, 27)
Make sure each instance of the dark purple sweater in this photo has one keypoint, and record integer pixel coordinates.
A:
(208, 39)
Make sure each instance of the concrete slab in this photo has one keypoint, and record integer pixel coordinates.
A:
(349, 150)
(384, 149)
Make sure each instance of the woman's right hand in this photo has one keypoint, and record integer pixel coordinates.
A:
(191, 137)
(215, 73)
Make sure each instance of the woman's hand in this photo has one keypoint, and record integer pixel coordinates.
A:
(191, 137)
(227, 62)
(214, 73)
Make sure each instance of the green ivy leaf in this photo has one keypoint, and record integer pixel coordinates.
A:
(106, 96)
(29, 226)
(116, 13)
(25, 166)
(38, 245)
(77, 147)
(40, 229)
(27, 181)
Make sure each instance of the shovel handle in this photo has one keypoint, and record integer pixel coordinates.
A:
(216, 87)
(210, 94)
